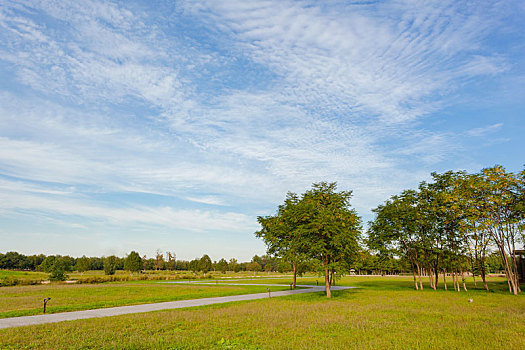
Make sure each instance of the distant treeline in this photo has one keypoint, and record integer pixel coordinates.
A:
(367, 263)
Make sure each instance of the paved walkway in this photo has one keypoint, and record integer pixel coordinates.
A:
(131, 309)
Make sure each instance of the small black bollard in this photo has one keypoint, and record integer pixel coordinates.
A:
(269, 294)
(45, 303)
(291, 286)
(317, 281)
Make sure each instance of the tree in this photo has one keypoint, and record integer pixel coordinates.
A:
(159, 260)
(82, 264)
(233, 265)
(222, 265)
(205, 264)
(47, 264)
(281, 233)
(503, 217)
(58, 270)
(171, 264)
(110, 265)
(319, 225)
(133, 262)
(253, 266)
(194, 265)
(268, 267)
(329, 227)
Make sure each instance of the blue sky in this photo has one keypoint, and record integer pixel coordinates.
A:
(145, 125)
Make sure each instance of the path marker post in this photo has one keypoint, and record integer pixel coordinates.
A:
(45, 303)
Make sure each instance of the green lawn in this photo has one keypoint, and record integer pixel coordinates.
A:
(382, 313)
(28, 300)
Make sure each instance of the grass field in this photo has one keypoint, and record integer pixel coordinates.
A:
(385, 312)
(28, 300)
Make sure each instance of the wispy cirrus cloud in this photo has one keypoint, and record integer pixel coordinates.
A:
(216, 109)
(368, 61)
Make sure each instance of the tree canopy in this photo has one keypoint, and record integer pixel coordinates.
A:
(318, 225)
(133, 262)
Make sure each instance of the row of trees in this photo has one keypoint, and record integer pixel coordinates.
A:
(452, 224)
(167, 261)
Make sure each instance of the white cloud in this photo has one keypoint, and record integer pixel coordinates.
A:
(478, 132)
(72, 205)
(277, 95)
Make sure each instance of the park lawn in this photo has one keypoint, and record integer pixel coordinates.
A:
(28, 300)
(23, 275)
(388, 313)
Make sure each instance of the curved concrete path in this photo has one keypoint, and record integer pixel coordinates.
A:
(131, 309)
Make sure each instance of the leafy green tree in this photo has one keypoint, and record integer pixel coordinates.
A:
(171, 264)
(194, 265)
(268, 267)
(503, 217)
(97, 263)
(47, 264)
(395, 231)
(110, 265)
(58, 271)
(233, 265)
(329, 227)
(159, 260)
(205, 264)
(67, 262)
(133, 262)
(253, 266)
(82, 264)
(281, 233)
(222, 265)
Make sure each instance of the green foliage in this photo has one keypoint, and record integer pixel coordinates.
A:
(222, 265)
(110, 265)
(205, 264)
(83, 264)
(453, 222)
(47, 264)
(194, 266)
(133, 262)
(58, 271)
(254, 266)
(233, 265)
(318, 225)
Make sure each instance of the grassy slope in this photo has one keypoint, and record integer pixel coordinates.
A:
(385, 313)
(27, 300)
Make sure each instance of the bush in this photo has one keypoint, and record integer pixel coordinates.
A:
(58, 274)
(110, 265)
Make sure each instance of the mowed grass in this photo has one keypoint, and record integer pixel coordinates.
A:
(28, 300)
(384, 313)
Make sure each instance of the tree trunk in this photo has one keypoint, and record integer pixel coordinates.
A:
(463, 278)
(445, 278)
(414, 274)
(327, 281)
(419, 276)
(294, 268)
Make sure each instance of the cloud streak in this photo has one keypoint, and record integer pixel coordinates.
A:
(202, 115)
